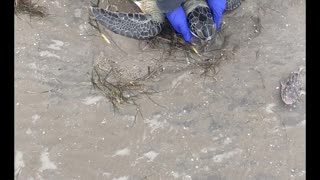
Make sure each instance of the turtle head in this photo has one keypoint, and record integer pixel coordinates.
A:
(201, 24)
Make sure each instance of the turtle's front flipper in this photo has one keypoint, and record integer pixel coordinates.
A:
(132, 25)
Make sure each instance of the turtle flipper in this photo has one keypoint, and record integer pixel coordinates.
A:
(132, 25)
(232, 4)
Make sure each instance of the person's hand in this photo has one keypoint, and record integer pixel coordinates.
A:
(178, 20)
(217, 7)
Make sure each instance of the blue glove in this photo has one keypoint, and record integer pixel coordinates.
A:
(217, 7)
(178, 20)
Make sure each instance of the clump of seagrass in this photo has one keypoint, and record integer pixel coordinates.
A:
(118, 90)
(29, 7)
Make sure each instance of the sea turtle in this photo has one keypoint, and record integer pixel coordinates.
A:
(150, 23)
(291, 88)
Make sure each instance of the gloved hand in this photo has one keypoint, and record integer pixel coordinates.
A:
(178, 20)
(217, 7)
